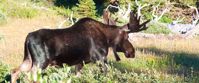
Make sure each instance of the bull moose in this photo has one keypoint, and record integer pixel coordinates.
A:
(85, 41)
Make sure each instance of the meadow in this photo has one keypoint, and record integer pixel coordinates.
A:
(157, 60)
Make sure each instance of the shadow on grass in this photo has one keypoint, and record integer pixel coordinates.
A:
(176, 63)
(187, 60)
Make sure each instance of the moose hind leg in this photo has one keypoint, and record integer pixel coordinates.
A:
(24, 67)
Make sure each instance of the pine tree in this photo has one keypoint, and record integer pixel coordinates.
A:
(86, 8)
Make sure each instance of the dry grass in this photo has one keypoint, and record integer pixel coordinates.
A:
(180, 45)
(147, 50)
(14, 33)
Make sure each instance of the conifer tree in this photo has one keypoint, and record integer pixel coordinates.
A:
(86, 8)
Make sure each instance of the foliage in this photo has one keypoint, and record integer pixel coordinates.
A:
(157, 28)
(2, 17)
(165, 19)
(23, 12)
(62, 11)
(65, 3)
(15, 9)
(50, 75)
(94, 75)
(154, 62)
(2, 14)
(4, 70)
(86, 8)
(151, 65)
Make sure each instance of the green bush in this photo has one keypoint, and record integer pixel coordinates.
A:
(165, 19)
(157, 28)
(4, 70)
(85, 8)
(16, 9)
(23, 12)
(62, 11)
(91, 73)
(2, 17)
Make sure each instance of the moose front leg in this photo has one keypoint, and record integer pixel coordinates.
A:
(103, 65)
(78, 68)
(115, 54)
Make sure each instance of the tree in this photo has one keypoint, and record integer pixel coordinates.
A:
(86, 8)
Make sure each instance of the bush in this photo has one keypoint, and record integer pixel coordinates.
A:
(2, 17)
(4, 70)
(165, 19)
(157, 28)
(86, 8)
(23, 12)
(62, 11)
(16, 9)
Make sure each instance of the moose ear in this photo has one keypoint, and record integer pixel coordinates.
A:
(106, 17)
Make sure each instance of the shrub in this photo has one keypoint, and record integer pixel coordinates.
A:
(157, 28)
(165, 19)
(2, 17)
(62, 11)
(86, 8)
(4, 70)
(23, 12)
(50, 75)
(16, 9)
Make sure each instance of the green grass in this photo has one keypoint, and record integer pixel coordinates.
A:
(156, 61)
(142, 69)
(23, 12)
(17, 9)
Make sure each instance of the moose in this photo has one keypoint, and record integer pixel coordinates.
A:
(85, 41)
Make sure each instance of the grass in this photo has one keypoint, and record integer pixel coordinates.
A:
(166, 61)
(156, 61)
(18, 9)
(23, 12)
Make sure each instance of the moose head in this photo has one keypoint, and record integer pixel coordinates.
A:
(133, 26)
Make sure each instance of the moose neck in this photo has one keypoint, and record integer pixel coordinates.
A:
(114, 33)
(111, 32)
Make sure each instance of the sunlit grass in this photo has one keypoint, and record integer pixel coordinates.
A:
(157, 60)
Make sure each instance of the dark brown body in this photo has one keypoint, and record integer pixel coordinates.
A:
(87, 40)
(72, 46)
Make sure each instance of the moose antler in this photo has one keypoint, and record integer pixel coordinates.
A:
(134, 23)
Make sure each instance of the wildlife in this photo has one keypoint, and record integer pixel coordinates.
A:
(85, 41)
